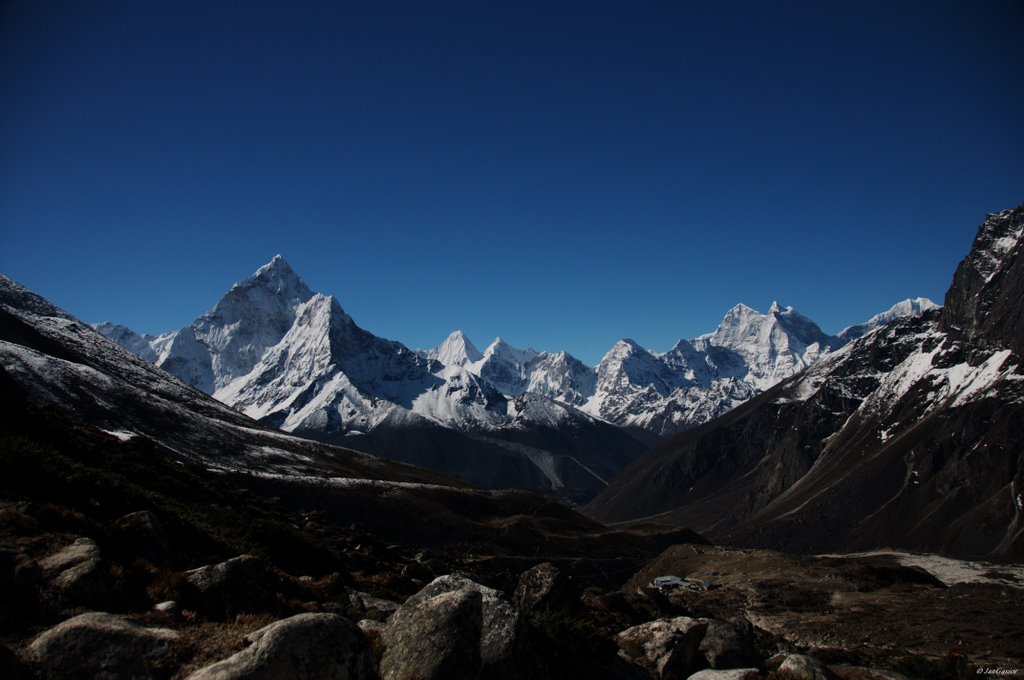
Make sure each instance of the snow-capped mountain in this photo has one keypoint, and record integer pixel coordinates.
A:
(658, 394)
(278, 352)
(911, 307)
(907, 437)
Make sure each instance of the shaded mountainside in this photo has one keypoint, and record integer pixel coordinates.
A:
(59, 376)
(909, 437)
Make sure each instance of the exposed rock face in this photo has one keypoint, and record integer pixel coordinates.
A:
(731, 674)
(803, 667)
(544, 587)
(984, 303)
(502, 627)
(915, 427)
(307, 646)
(667, 648)
(241, 584)
(74, 573)
(728, 645)
(104, 647)
(437, 638)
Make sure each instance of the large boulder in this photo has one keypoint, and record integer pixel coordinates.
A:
(544, 587)
(241, 584)
(435, 638)
(303, 647)
(729, 645)
(730, 674)
(74, 574)
(667, 648)
(502, 648)
(803, 667)
(104, 647)
(371, 607)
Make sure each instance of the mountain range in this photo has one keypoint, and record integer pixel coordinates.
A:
(276, 351)
(909, 436)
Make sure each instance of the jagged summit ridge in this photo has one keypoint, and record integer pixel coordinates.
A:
(276, 350)
(905, 308)
(983, 303)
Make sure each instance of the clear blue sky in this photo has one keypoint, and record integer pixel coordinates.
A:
(560, 174)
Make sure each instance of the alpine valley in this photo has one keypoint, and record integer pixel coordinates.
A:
(180, 507)
(503, 418)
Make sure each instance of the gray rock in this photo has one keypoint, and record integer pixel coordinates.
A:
(730, 674)
(74, 574)
(170, 609)
(435, 638)
(241, 584)
(104, 647)
(83, 551)
(803, 667)
(371, 627)
(302, 647)
(503, 628)
(666, 648)
(368, 604)
(544, 587)
(726, 645)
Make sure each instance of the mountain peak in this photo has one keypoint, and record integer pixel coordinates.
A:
(776, 307)
(904, 308)
(278, 278)
(457, 350)
(983, 301)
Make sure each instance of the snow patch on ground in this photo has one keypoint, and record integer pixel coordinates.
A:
(123, 435)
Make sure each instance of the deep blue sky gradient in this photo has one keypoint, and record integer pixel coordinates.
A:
(560, 174)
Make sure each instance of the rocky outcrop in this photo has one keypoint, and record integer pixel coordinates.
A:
(104, 647)
(728, 645)
(544, 587)
(666, 648)
(307, 646)
(915, 426)
(74, 575)
(502, 649)
(803, 667)
(983, 303)
(731, 674)
(435, 638)
(241, 584)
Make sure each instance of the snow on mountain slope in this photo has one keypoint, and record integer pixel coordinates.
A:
(294, 359)
(698, 380)
(907, 436)
(52, 359)
(456, 350)
(136, 343)
(910, 307)
(775, 345)
(280, 353)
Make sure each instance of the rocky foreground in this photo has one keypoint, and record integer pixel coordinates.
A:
(121, 560)
(81, 609)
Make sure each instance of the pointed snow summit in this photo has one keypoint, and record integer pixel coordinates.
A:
(456, 350)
